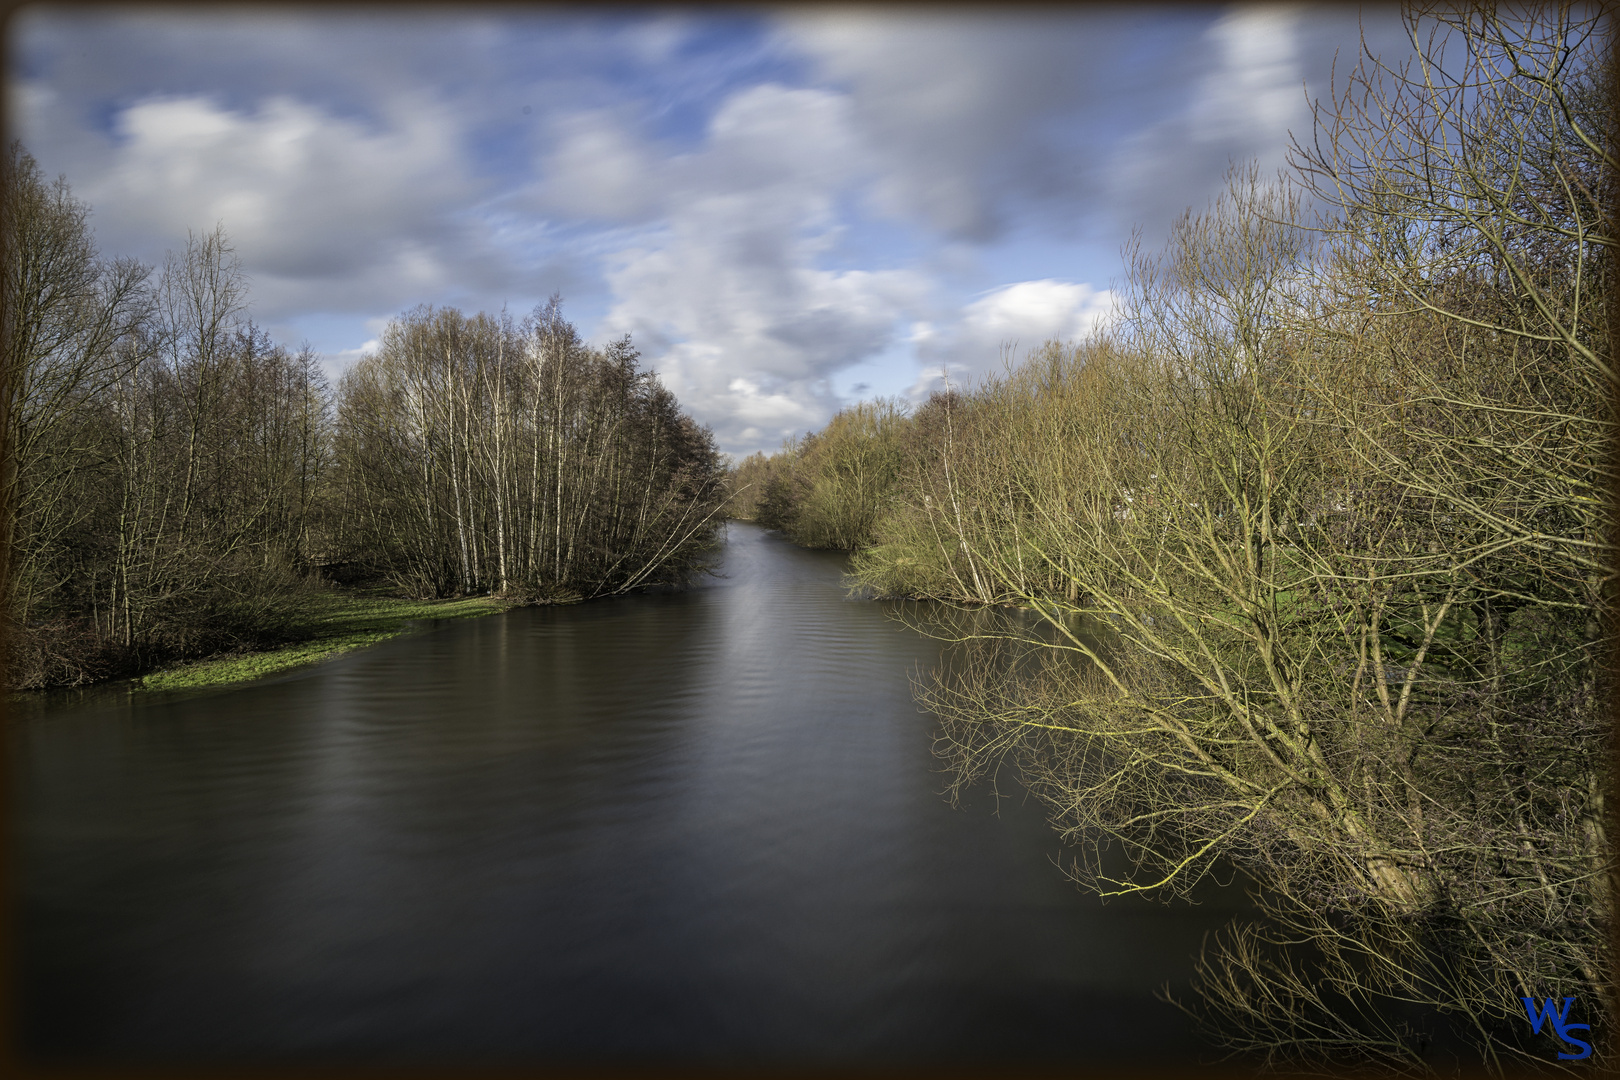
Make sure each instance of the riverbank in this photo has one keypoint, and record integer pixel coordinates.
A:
(338, 622)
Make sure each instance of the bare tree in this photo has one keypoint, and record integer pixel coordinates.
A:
(1330, 506)
(66, 312)
(482, 455)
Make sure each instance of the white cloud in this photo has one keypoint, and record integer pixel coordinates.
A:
(1250, 97)
(1045, 309)
(728, 297)
(598, 169)
(336, 363)
(1008, 323)
(743, 326)
(953, 105)
(1258, 91)
(328, 212)
(303, 194)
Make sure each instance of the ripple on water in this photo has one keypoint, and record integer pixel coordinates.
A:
(695, 827)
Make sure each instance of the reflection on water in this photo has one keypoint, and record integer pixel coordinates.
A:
(694, 828)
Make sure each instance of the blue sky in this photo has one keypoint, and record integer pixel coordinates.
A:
(788, 209)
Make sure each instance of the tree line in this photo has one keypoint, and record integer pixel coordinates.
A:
(174, 483)
(1305, 564)
(482, 455)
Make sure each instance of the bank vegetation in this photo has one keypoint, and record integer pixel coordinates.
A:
(1305, 563)
(175, 485)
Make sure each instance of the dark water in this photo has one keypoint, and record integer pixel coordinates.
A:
(689, 829)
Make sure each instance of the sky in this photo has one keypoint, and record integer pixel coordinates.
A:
(789, 209)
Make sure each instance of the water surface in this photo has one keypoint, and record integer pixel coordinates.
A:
(700, 828)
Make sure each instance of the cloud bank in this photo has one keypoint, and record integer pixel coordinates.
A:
(766, 202)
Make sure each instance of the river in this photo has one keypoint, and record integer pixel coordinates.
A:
(700, 828)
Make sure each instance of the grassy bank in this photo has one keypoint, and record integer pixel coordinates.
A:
(334, 623)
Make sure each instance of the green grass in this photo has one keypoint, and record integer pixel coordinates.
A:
(332, 623)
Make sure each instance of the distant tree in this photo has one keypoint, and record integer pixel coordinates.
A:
(778, 505)
(479, 455)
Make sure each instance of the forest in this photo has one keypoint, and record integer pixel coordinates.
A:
(1304, 564)
(176, 485)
